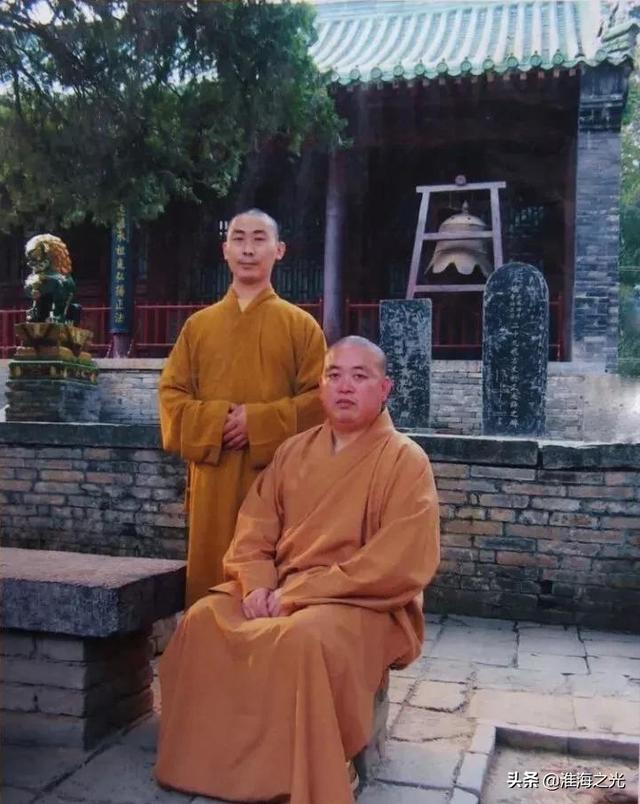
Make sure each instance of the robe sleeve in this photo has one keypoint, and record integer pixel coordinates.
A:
(271, 423)
(191, 427)
(397, 561)
(249, 559)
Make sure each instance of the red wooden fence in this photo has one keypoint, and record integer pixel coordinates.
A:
(94, 318)
(456, 333)
(457, 330)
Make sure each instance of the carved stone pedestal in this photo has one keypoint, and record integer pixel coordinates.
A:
(52, 400)
(53, 378)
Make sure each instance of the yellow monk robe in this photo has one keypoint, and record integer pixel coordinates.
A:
(262, 709)
(269, 358)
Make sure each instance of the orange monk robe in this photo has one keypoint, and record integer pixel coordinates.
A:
(254, 710)
(267, 357)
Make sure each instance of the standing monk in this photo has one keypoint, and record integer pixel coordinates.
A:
(268, 683)
(242, 376)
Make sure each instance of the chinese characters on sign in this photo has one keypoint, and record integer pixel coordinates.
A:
(121, 301)
(565, 780)
(514, 302)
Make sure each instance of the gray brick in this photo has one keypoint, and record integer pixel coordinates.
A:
(56, 674)
(35, 728)
(472, 772)
(17, 643)
(19, 697)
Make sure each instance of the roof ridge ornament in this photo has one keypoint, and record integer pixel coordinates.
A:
(616, 15)
(536, 59)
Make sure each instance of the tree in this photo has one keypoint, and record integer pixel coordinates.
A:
(629, 344)
(630, 195)
(106, 103)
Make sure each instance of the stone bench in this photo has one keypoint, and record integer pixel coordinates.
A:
(75, 646)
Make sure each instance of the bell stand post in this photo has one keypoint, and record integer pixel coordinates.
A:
(495, 233)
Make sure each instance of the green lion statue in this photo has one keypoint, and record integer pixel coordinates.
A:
(50, 284)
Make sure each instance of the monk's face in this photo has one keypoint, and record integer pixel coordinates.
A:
(251, 249)
(353, 388)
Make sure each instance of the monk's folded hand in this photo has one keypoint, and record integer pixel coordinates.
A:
(273, 603)
(255, 604)
(234, 432)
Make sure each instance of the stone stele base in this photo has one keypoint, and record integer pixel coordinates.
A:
(52, 391)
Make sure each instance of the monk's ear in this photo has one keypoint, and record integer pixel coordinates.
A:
(224, 249)
(387, 387)
(280, 251)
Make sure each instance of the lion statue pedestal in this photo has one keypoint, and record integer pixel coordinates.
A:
(53, 377)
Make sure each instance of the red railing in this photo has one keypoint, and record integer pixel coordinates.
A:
(316, 309)
(94, 318)
(556, 328)
(97, 320)
(157, 325)
(456, 332)
(362, 318)
(8, 320)
(457, 326)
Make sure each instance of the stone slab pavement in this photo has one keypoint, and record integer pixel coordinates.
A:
(471, 670)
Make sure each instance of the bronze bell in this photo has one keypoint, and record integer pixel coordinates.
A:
(464, 255)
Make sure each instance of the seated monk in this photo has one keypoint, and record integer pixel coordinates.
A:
(268, 682)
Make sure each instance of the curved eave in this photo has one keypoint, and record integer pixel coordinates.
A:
(379, 75)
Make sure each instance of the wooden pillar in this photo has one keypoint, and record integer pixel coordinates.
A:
(334, 233)
(121, 286)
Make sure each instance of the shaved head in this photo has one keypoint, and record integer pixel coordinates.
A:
(354, 386)
(362, 343)
(257, 213)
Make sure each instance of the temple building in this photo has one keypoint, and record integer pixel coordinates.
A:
(500, 119)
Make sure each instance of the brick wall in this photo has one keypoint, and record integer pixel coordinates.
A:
(129, 389)
(559, 546)
(92, 488)
(530, 530)
(580, 405)
(456, 396)
(597, 216)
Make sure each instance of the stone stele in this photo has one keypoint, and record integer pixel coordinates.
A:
(405, 338)
(515, 348)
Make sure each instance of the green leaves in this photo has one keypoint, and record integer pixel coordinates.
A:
(105, 103)
(630, 195)
(629, 343)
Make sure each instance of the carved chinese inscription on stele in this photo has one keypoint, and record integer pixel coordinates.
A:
(515, 349)
(405, 338)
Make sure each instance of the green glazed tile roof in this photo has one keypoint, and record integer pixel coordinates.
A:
(386, 40)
